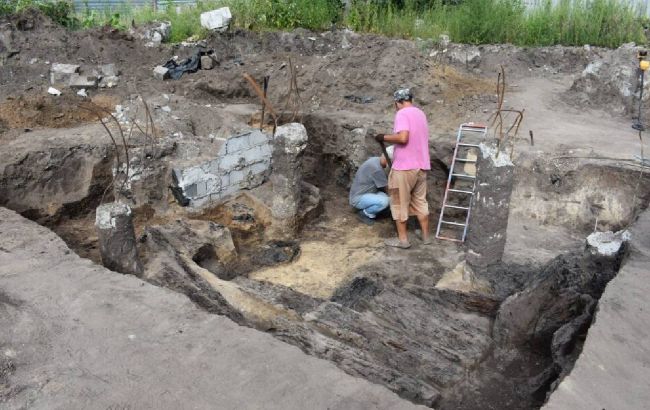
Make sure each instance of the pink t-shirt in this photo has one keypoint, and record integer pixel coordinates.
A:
(415, 153)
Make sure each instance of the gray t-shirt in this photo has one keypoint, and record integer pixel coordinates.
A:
(369, 178)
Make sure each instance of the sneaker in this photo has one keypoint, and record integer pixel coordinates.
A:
(427, 241)
(361, 216)
(396, 243)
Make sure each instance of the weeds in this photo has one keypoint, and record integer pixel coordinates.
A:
(569, 22)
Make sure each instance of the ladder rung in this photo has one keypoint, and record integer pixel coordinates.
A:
(456, 207)
(462, 144)
(466, 160)
(452, 223)
(461, 191)
(473, 125)
(448, 239)
(463, 176)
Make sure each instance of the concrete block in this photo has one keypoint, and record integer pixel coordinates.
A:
(259, 168)
(81, 81)
(59, 78)
(201, 189)
(207, 63)
(231, 162)
(190, 191)
(229, 190)
(236, 177)
(108, 82)
(161, 73)
(258, 138)
(64, 68)
(61, 73)
(225, 180)
(198, 202)
(266, 151)
(212, 167)
(237, 143)
(218, 19)
(253, 155)
(213, 185)
(109, 70)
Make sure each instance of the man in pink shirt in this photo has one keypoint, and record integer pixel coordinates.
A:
(407, 181)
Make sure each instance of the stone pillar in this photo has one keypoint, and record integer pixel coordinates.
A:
(486, 236)
(289, 145)
(116, 233)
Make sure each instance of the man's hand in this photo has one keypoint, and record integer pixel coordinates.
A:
(379, 137)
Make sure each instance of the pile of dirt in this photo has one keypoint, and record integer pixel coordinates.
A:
(610, 80)
(46, 111)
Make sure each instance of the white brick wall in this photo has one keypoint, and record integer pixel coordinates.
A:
(242, 163)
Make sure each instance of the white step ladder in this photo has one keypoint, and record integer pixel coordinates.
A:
(461, 184)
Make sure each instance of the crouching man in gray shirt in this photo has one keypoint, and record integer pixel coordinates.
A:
(365, 192)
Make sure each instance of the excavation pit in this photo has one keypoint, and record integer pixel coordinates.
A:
(411, 320)
(406, 319)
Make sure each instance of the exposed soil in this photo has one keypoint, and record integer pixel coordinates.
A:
(30, 111)
(404, 319)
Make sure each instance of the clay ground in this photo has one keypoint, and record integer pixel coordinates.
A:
(581, 150)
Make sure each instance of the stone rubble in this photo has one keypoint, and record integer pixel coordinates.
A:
(161, 73)
(71, 75)
(207, 62)
(153, 34)
(607, 243)
(218, 19)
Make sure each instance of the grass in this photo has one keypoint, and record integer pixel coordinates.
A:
(251, 14)
(606, 23)
(571, 22)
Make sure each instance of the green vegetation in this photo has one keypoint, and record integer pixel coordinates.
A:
(568, 22)
(251, 14)
(60, 11)
(571, 22)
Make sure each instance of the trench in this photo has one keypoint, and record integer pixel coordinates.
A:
(386, 315)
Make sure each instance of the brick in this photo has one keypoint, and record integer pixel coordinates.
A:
(237, 143)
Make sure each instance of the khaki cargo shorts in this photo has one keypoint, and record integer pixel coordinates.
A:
(408, 194)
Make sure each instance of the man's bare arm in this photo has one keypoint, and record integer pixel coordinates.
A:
(401, 137)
